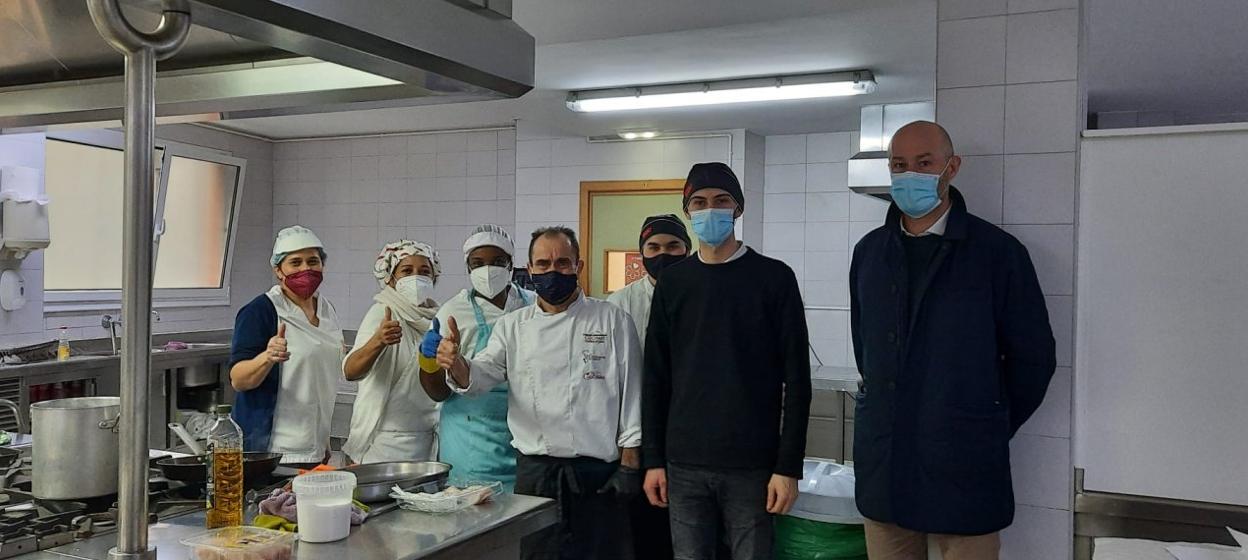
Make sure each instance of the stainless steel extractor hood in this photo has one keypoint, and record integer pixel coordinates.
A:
(251, 58)
(868, 169)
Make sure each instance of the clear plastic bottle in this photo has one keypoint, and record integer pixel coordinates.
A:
(62, 346)
(225, 471)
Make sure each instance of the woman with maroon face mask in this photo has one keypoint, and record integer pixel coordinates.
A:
(286, 356)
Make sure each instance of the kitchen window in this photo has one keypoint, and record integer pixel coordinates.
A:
(197, 192)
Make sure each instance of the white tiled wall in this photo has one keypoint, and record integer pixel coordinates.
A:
(549, 172)
(247, 277)
(1007, 93)
(358, 194)
(812, 222)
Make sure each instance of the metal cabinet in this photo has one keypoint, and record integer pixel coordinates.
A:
(830, 432)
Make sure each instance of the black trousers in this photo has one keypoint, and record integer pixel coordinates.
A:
(652, 530)
(591, 526)
(711, 508)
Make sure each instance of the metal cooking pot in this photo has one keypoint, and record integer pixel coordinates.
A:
(75, 447)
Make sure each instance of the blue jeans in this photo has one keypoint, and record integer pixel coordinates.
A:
(708, 506)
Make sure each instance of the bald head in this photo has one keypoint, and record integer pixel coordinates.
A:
(925, 135)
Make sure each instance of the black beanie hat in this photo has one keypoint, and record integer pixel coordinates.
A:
(713, 175)
(663, 223)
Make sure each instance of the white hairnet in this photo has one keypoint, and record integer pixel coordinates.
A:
(490, 235)
(390, 255)
(294, 238)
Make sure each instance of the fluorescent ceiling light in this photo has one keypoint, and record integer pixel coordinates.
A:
(638, 134)
(779, 88)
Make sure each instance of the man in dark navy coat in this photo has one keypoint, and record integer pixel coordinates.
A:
(953, 341)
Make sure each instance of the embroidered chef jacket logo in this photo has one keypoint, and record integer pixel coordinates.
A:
(595, 338)
(589, 357)
(594, 375)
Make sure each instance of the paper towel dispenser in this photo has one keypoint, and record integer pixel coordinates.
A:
(23, 212)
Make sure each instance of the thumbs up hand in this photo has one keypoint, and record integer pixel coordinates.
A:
(433, 337)
(389, 332)
(276, 351)
(448, 349)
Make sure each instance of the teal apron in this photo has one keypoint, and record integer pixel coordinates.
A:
(474, 437)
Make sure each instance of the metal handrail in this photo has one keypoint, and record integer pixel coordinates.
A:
(141, 51)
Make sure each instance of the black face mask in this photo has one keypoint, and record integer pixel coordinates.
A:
(554, 287)
(656, 264)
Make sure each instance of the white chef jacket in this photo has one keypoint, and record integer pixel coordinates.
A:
(575, 379)
(393, 418)
(460, 307)
(305, 401)
(635, 299)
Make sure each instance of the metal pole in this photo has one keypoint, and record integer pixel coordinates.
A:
(141, 51)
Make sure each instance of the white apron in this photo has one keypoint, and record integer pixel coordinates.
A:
(305, 401)
(393, 419)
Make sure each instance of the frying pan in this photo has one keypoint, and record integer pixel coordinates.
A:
(192, 470)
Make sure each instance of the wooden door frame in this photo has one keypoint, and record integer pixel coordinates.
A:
(590, 189)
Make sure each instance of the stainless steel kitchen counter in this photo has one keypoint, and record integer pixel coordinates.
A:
(834, 378)
(492, 528)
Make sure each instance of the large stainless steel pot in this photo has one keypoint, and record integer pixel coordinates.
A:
(75, 447)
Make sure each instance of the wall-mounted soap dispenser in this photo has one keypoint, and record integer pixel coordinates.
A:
(23, 212)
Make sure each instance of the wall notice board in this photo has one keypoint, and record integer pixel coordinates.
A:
(1161, 360)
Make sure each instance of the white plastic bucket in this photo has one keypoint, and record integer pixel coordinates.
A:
(323, 504)
(826, 493)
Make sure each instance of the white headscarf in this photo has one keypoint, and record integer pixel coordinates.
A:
(390, 255)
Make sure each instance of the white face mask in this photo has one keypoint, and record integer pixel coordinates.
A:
(489, 280)
(415, 288)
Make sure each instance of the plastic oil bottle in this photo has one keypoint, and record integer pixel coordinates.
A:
(62, 346)
(225, 471)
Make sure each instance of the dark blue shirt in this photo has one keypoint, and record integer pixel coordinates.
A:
(253, 410)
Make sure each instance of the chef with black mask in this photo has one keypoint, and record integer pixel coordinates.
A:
(663, 242)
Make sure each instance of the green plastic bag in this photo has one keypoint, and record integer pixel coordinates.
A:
(803, 539)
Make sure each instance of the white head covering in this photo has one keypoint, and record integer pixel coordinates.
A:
(294, 238)
(390, 255)
(490, 235)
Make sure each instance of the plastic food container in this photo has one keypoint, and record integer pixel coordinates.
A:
(450, 500)
(241, 543)
(323, 505)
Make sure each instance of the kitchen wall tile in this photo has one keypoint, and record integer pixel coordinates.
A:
(367, 191)
(423, 189)
(285, 150)
(828, 266)
(1052, 250)
(486, 140)
(784, 208)
(392, 166)
(483, 212)
(421, 214)
(507, 139)
(1041, 118)
(390, 234)
(1042, 472)
(564, 208)
(364, 215)
(789, 148)
(980, 182)
(424, 234)
(1019, 6)
(506, 211)
(532, 208)
(285, 215)
(422, 165)
(1038, 534)
(783, 236)
(828, 324)
(363, 146)
(363, 168)
(830, 147)
(422, 144)
(482, 188)
(285, 170)
(533, 153)
(452, 189)
(393, 190)
(1052, 419)
(452, 142)
(452, 164)
(958, 9)
(718, 149)
(827, 177)
(507, 187)
(974, 118)
(574, 151)
(338, 215)
(312, 215)
(827, 207)
(506, 162)
(1040, 188)
(534, 181)
(827, 236)
(795, 260)
(865, 208)
(392, 215)
(827, 293)
(567, 180)
(686, 150)
(785, 178)
(392, 145)
(1062, 320)
(364, 238)
(1043, 47)
(482, 163)
(452, 213)
(971, 52)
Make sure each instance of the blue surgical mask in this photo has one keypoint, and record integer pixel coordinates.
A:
(713, 225)
(916, 193)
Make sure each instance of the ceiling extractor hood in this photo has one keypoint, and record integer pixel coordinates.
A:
(868, 169)
(253, 58)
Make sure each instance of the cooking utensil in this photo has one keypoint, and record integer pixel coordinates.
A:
(185, 436)
(374, 480)
(75, 447)
(193, 470)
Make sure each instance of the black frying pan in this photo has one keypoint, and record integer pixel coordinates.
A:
(192, 470)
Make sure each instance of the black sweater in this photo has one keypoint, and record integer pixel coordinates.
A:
(726, 358)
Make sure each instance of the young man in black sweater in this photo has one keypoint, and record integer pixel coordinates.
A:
(726, 384)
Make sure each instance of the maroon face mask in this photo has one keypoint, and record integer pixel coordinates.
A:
(304, 283)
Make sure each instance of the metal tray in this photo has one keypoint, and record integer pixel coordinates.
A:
(373, 481)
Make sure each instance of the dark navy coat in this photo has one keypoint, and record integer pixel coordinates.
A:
(946, 385)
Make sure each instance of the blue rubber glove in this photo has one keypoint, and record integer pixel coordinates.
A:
(429, 345)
